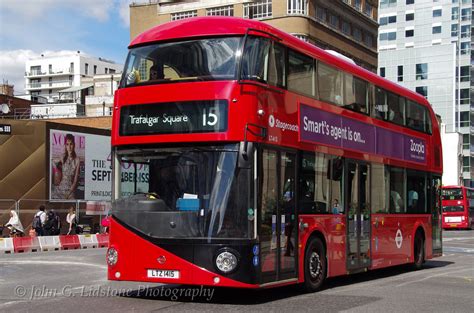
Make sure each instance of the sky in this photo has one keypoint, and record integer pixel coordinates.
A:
(29, 28)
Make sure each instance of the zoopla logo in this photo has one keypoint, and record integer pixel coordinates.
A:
(271, 121)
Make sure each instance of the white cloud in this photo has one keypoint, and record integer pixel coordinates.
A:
(12, 65)
(30, 27)
(97, 9)
(124, 11)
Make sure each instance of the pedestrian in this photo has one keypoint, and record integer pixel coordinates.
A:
(71, 221)
(38, 221)
(14, 225)
(105, 222)
(52, 225)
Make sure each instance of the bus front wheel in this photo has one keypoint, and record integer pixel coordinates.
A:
(419, 251)
(315, 265)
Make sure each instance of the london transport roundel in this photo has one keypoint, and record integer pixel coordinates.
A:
(399, 239)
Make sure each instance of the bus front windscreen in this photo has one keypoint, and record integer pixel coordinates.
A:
(191, 60)
(453, 208)
(188, 192)
(452, 194)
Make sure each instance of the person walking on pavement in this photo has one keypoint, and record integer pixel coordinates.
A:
(14, 225)
(71, 221)
(39, 220)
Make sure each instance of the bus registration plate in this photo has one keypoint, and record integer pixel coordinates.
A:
(163, 274)
(452, 219)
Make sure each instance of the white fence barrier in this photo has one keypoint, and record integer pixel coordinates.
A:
(6, 245)
(88, 241)
(49, 243)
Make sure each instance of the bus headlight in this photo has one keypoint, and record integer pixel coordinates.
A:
(112, 256)
(226, 261)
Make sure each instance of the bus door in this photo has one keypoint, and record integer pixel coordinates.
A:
(357, 191)
(277, 227)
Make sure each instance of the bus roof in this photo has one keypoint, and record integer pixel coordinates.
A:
(457, 187)
(224, 26)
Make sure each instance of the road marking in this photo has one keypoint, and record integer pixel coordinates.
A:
(459, 250)
(11, 303)
(457, 238)
(402, 276)
(432, 276)
(43, 262)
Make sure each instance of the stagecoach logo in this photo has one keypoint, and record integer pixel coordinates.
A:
(399, 239)
(272, 122)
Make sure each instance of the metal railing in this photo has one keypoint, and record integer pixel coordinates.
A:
(89, 214)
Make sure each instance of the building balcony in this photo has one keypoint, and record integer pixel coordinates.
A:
(48, 85)
(68, 71)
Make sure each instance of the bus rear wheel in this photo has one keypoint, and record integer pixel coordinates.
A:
(419, 251)
(315, 265)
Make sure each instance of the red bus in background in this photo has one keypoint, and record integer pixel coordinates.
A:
(245, 157)
(458, 207)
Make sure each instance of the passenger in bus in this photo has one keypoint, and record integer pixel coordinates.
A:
(336, 209)
(396, 116)
(415, 121)
(413, 200)
(156, 72)
(396, 202)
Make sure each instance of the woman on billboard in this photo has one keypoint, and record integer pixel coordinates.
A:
(66, 171)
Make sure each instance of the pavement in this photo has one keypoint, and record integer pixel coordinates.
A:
(75, 281)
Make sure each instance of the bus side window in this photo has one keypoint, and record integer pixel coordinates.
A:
(330, 84)
(255, 59)
(378, 188)
(355, 94)
(416, 116)
(427, 121)
(307, 187)
(301, 74)
(394, 113)
(276, 66)
(416, 192)
(380, 106)
(397, 190)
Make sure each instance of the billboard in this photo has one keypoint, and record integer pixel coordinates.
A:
(80, 166)
(318, 126)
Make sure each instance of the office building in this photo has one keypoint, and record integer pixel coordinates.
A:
(425, 45)
(345, 26)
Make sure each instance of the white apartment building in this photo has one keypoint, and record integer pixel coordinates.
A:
(452, 157)
(102, 100)
(46, 77)
(425, 45)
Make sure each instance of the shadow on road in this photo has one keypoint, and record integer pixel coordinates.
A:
(379, 274)
(203, 294)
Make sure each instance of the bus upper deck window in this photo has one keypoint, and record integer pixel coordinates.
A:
(254, 63)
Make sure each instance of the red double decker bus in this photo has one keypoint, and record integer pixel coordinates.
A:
(458, 207)
(245, 157)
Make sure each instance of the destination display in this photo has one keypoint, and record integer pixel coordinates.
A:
(174, 118)
(327, 128)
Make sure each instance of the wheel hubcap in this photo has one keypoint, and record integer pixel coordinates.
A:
(314, 265)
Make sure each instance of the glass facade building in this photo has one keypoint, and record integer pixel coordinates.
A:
(425, 45)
